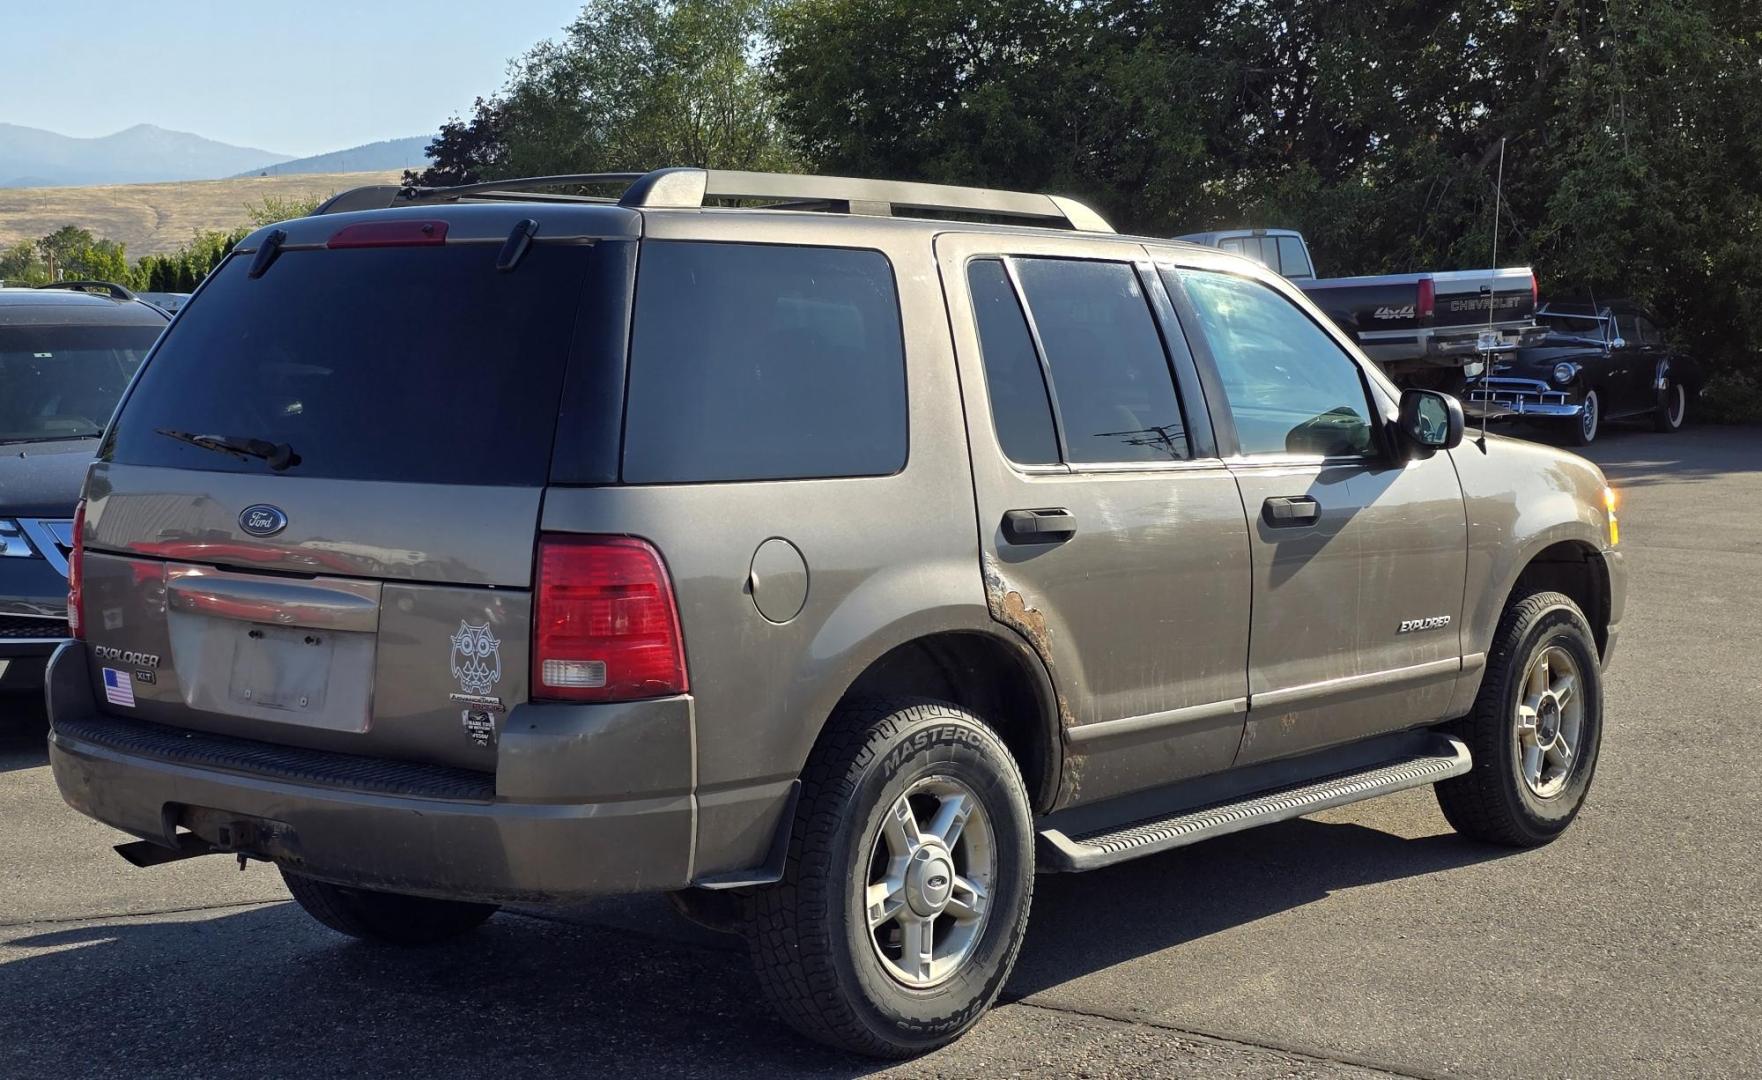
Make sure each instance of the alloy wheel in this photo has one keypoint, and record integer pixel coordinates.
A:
(932, 865)
(1549, 722)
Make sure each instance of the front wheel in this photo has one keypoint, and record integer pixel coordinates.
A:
(1673, 407)
(906, 890)
(389, 918)
(1583, 431)
(1535, 730)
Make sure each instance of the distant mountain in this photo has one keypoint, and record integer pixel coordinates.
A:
(31, 157)
(369, 157)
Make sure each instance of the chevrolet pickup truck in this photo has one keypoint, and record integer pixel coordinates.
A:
(1422, 328)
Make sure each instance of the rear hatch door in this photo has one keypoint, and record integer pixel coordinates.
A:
(313, 520)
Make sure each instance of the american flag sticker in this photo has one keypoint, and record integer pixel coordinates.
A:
(118, 688)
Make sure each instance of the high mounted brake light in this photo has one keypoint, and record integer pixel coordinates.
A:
(605, 624)
(76, 572)
(389, 234)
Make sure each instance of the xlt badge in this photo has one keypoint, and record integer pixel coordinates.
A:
(1435, 622)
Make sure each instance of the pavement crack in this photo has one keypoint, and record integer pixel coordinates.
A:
(1236, 1040)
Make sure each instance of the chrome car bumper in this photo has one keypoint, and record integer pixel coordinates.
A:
(1522, 397)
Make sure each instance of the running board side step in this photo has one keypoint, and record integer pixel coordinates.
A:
(1443, 758)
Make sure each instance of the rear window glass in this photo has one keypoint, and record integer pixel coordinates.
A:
(62, 382)
(1292, 261)
(404, 364)
(761, 362)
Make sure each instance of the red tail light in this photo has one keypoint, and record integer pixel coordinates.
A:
(1535, 292)
(1426, 300)
(389, 234)
(76, 572)
(605, 625)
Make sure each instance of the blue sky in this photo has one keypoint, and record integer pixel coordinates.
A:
(291, 76)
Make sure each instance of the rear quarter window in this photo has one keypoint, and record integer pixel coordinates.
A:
(763, 362)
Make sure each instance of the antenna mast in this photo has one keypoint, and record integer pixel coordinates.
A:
(1492, 289)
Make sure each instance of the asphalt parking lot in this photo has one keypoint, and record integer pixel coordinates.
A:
(1364, 941)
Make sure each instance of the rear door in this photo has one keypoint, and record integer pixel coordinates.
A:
(1359, 555)
(1112, 533)
(313, 519)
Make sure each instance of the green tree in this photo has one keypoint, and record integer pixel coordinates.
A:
(22, 264)
(631, 84)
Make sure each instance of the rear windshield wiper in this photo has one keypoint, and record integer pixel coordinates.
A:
(279, 455)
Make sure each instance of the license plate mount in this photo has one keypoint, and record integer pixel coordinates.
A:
(286, 668)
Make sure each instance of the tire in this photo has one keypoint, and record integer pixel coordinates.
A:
(388, 918)
(1583, 430)
(1673, 410)
(809, 934)
(1494, 801)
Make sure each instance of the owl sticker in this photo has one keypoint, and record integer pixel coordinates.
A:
(476, 658)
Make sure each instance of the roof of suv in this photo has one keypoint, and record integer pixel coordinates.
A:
(37, 307)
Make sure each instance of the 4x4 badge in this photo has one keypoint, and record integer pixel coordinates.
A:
(262, 519)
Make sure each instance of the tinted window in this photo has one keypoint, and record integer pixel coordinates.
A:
(61, 382)
(1290, 388)
(1293, 262)
(1019, 408)
(1649, 334)
(410, 364)
(1116, 396)
(757, 362)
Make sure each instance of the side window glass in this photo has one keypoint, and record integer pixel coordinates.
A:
(1020, 410)
(1649, 334)
(1291, 390)
(763, 362)
(1231, 244)
(1116, 394)
(1293, 263)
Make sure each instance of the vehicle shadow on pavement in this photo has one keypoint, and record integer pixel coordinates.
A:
(1636, 457)
(1083, 923)
(267, 992)
(24, 732)
(618, 986)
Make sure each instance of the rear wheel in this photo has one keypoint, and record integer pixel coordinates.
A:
(392, 918)
(1673, 409)
(906, 890)
(1535, 730)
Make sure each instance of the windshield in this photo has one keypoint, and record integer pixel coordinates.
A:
(61, 382)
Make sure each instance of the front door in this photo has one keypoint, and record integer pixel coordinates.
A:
(1359, 554)
(1112, 532)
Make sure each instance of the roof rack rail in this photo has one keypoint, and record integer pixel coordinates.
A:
(690, 188)
(115, 291)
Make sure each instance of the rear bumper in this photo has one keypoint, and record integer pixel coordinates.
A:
(1443, 346)
(385, 825)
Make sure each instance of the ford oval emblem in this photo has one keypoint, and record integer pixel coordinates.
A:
(262, 520)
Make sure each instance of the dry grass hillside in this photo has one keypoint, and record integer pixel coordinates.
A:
(152, 219)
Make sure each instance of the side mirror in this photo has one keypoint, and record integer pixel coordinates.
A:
(1431, 420)
(1618, 343)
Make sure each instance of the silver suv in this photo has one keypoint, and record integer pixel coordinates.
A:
(833, 564)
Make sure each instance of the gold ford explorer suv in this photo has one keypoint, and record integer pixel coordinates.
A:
(832, 564)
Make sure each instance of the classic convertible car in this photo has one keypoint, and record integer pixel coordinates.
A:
(1598, 363)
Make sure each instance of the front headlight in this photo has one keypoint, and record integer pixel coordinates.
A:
(12, 541)
(1565, 372)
